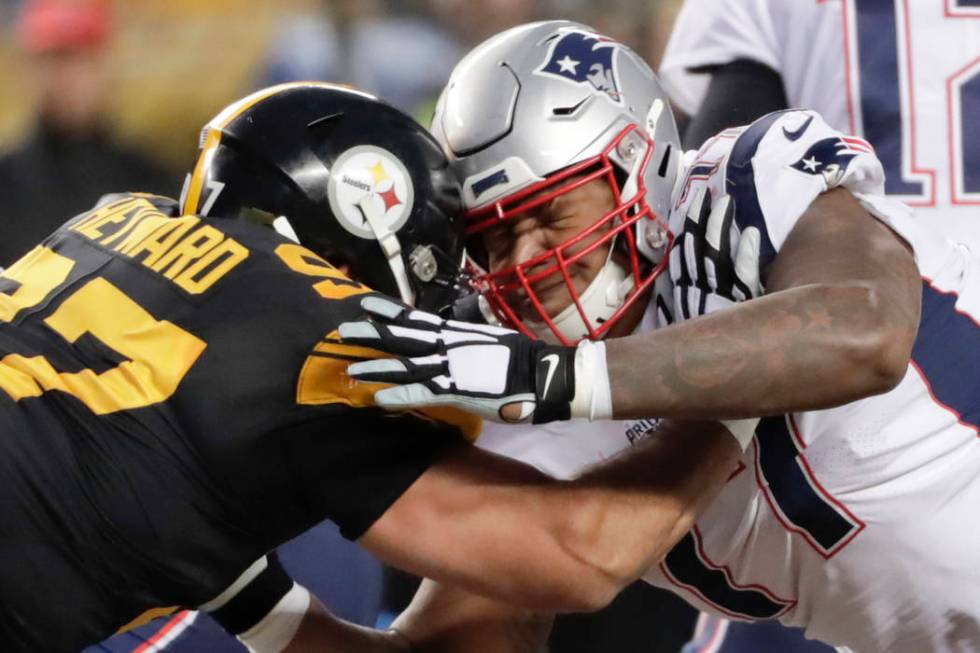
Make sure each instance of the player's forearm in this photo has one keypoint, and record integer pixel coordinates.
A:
(837, 325)
(504, 530)
(443, 618)
(805, 348)
(321, 631)
(493, 526)
(627, 513)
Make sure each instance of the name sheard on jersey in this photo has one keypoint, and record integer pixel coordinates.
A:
(192, 255)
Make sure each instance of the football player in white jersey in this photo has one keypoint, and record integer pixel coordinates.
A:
(903, 74)
(850, 514)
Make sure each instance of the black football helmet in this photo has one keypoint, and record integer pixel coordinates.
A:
(357, 181)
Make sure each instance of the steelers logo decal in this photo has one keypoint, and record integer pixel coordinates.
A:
(368, 180)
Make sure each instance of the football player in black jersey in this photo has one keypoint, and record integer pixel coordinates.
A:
(171, 403)
(174, 400)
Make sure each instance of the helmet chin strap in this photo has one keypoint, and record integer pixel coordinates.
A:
(391, 248)
(599, 302)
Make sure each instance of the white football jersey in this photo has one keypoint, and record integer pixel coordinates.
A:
(858, 523)
(855, 523)
(563, 449)
(903, 74)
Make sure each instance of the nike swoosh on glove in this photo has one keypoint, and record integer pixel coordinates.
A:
(496, 373)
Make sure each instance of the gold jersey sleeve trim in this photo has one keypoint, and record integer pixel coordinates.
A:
(323, 379)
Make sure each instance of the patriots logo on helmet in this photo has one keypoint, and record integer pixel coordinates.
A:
(584, 58)
(831, 156)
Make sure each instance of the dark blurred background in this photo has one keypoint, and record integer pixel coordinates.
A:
(108, 95)
(165, 66)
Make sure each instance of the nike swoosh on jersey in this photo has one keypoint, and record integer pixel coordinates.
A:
(552, 360)
(796, 133)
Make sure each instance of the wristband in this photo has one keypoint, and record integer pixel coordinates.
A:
(593, 396)
(276, 630)
(252, 596)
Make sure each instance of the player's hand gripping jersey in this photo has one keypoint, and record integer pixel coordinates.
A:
(844, 521)
(173, 406)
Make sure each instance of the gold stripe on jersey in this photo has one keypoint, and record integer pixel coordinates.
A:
(147, 617)
(212, 138)
(190, 254)
(324, 380)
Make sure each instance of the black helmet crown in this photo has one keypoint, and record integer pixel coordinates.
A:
(359, 182)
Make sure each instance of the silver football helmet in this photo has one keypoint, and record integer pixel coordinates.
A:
(536, 111)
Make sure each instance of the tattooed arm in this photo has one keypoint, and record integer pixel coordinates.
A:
(837, 324)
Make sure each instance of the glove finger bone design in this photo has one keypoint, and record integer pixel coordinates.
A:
(493, 372)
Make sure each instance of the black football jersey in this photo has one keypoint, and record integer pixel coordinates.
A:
(174, 404)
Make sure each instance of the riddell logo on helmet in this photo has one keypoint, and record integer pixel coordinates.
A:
(584, 58)
(370, 191)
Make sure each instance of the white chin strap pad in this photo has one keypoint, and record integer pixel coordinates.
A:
(599, 301)
(392, 250)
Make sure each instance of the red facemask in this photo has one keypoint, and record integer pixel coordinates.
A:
(504, 288)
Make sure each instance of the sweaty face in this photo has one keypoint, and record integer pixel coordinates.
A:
(531, 234)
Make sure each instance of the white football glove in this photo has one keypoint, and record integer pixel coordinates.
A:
(496, 373)
(706, 276)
